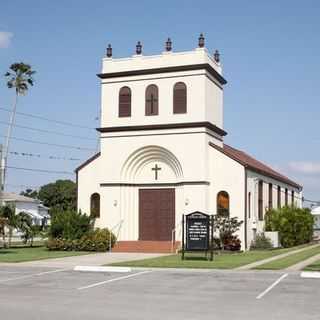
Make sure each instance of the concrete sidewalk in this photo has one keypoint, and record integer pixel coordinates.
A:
(302, 264)
(261, 262)
(95, 259)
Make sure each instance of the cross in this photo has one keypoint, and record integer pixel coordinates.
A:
(152, 100)
(156, 169)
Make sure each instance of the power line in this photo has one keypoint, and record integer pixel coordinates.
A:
(42, 171)
(48, 131)
(47, 119)
(27, 154)
(22, 185)
(52, 144)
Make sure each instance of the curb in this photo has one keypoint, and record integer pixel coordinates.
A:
(101, 269)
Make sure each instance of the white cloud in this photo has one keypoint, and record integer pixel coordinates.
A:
(306, 167)
(5, 39)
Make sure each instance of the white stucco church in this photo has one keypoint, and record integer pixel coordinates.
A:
(163, 153)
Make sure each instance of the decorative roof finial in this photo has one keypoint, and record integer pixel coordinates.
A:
(139, 48)
(201, 41)
(168, 45)
(109, 51)
(216, 56)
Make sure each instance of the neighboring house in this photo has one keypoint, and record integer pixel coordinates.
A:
(33, 207)
(316, 227)
(163, 153)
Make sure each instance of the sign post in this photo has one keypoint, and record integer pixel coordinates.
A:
(197, 233)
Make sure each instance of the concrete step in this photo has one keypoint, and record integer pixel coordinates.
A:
(146, 246)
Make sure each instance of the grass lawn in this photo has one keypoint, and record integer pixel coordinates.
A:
(21, 254)
(197, 260)
(290, 260)
(313, 267)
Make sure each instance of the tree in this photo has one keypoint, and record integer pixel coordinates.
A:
(19, 77)
(30, 193)
(7, 212)
(27, 228)
(61, 194)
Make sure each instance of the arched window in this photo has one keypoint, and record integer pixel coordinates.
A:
(223, 203)
(180, 98)
(125, 102)
(152, 100)
(95, 205)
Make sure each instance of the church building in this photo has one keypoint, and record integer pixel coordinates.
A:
(163, 153)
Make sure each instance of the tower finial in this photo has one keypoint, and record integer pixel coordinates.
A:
(216, 56)
(168, 45)
(139, 48)
(109, 51)
(201, 41)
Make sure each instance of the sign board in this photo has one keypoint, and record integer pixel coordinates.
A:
(197, 231)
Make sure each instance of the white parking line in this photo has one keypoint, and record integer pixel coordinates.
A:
(32, 275)
(112, 280)
(272, 286)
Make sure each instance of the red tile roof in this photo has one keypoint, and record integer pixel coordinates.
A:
(252, 164)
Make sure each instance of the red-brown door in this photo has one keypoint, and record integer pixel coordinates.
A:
(156, 214)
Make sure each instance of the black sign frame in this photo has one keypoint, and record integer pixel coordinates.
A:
(197, 233)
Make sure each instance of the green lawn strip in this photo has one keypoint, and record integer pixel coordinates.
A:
(197, 260)
(22, 254)
(290, 260)
(313, 267)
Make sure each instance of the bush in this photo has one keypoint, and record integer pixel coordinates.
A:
(95, 240)
(69, 225)
(261, 242)
(233, 243)
(295, 225)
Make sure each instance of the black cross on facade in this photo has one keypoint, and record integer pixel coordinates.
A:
(156, 169)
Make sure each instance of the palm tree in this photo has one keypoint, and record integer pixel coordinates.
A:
(8, 214)
(19, 77)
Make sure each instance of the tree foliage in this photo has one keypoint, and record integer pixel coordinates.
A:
(20, 77)
(295, 225)
(61, 194)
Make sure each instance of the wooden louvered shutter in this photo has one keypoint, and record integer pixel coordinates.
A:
(125, 102)
(152, 100)
(180, 98)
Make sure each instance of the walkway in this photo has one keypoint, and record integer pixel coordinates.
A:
(95, 259)
(302, 264)
(283, 255)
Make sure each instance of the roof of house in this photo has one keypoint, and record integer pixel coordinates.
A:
(94, 157)
(251, 163)
(316, 211)
(13, 197)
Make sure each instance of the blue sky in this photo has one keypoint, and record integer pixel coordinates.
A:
(270, 52)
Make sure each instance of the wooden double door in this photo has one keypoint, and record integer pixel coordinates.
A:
(156, 214)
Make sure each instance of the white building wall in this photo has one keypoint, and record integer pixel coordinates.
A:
(228, 175)
(254, 224)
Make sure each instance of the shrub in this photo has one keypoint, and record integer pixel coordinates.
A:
(261, 242)
(94, 240)
(295, 225)
(233, 243)
(69, 225)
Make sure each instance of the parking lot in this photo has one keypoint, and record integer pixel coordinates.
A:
(43, 293)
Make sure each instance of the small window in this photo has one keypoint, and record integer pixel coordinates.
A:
(125, 102)
(249, 205)
(180, 98)
(152, 100)
(260, 200)
(270, 205)
(223, 203)
(292, 198)
(279, 197)
(286, 197)
(95, 205)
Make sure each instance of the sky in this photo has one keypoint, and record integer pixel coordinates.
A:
(270, 54)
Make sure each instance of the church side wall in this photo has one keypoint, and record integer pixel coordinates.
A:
(254, 224)
(227, 175)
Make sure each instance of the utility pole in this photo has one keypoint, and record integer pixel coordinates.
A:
(2, 165)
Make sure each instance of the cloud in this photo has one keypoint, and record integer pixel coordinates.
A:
(5, 39)
(306, 167)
